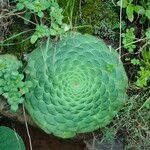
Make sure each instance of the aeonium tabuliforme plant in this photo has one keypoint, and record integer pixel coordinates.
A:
(78, 85)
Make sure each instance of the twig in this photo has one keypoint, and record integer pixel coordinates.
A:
(17, 138)
(93, 143)
(113, 2)
(26, 124)
(35, 19)
(26, 19)
(137, 51)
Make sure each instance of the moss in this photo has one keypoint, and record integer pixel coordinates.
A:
(99, 15)
(18, 42)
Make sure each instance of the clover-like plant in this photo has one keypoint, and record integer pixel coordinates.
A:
(42, 9)
(79, 85)
(12, 86)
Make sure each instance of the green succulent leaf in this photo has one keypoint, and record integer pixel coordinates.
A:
(78, 85)
(9, 139)
(11, 81)
(14, 108)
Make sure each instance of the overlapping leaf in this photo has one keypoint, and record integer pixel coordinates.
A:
(79, 85)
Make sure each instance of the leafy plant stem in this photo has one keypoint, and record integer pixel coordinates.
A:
(139, 40)
(26, 19)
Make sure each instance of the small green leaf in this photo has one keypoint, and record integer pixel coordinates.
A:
(143, 19)
(148, 33)
(139, 9)
(24, 90)
(21, 100)
(20, 84)
(15, 73)
(143, 77)
(66, 27)
(29, 5)
(14, 107)
(128, 39)
(33, 38)
(2, 82)
(27, 16)
(147, 13)
(40, 14)
(53, 32)
(147, 103)
(124, 3)
(127, 59)
(109, 68)
(28, 84)
(6, 95)
(20, 6)
(129, 12)
(135, 61)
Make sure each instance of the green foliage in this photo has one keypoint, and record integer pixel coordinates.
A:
(9, 139)
(42, 9)
(132, 123)
(12, 43)
(128, 40)
(148, 13)
(131, 8)
(37, 6)
(41, 31)
(143, 77)
(135, 61)
(69, 8)
(53, 107)
(12, 86)
(79, 85)
(109, 133)
(82, 18)
(136, 39)
(147, 33)
(146, 104)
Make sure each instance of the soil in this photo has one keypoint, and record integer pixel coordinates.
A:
(41, 140)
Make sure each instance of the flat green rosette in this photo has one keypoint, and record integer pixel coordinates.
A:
(79, 85)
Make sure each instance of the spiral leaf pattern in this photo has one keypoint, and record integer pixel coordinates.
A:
(79, 85)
